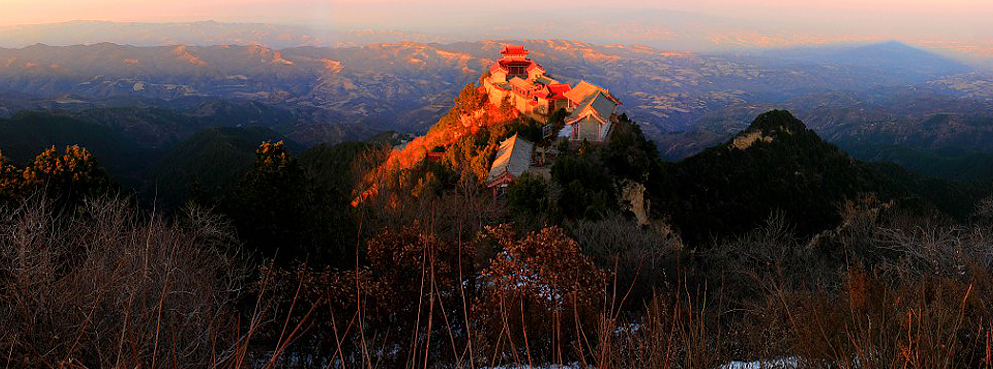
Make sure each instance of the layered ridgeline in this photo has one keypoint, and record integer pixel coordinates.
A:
(863, 95)
(159, 151)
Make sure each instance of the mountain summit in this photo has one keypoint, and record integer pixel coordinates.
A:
(767, 127)
(777, 165)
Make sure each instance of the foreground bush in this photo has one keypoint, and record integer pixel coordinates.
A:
(108, 287)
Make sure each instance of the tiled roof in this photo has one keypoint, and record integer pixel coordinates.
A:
(521, 83)
(544, 80)
(506, 64)
(514, 50)
(558, 90)
(514, 158)
(497, 66)
(603, 105)
(584, 90)
(581, 91)
(599, 104)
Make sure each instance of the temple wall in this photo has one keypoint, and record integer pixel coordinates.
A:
(495, 94)
(499, 76)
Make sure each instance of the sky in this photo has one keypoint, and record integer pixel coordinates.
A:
(364, 11)
(953, 23)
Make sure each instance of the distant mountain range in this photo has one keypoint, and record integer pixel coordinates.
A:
(669, 30)
(862, 97)
(408, 85)
(893, 56)
(205, 33)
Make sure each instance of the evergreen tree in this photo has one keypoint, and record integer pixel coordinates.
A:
(269, 205)
(66, 178)
(527, 195)
(10, 180)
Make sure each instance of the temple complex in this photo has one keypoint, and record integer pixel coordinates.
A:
(529, 88)
(517, 80)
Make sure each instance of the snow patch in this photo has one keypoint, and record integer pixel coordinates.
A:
(782, 363)
(567, 366)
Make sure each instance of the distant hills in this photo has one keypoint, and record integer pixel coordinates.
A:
(927, 132)
(204, 33)
(861, 97)
(407, 86)
(661, 29)
(892, 55)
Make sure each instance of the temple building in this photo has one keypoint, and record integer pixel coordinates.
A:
(593, 113)
(513, 160)
(527, 86)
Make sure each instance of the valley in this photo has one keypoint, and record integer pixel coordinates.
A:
(683, 101)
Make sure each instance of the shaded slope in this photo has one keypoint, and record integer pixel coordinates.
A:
(215, 159)
(777, 164)
(26, 135)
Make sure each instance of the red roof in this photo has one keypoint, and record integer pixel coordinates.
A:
(435, 156)
(535, 66)
(558, 90)
(518, 63)
(513, 50)
(497, 66)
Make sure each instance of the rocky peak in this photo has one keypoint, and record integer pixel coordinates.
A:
(767, 127)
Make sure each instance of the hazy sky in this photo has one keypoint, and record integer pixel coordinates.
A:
(969, 22)
(20, 11)
(973, 12)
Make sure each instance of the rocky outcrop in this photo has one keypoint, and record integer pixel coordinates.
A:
(745, 141)
(633, 199)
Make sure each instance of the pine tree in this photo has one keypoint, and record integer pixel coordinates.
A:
(269, 204)
(66, 178)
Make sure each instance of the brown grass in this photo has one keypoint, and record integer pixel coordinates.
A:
(106, 287)
(109, 287)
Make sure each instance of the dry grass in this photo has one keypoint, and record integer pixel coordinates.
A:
(107, 287)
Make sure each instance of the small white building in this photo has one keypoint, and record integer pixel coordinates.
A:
(594, 113)
(512, 160)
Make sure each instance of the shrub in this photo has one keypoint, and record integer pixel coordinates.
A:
(538, 293)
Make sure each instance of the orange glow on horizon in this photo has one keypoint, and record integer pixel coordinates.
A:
(956, 24)
(48, 11)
